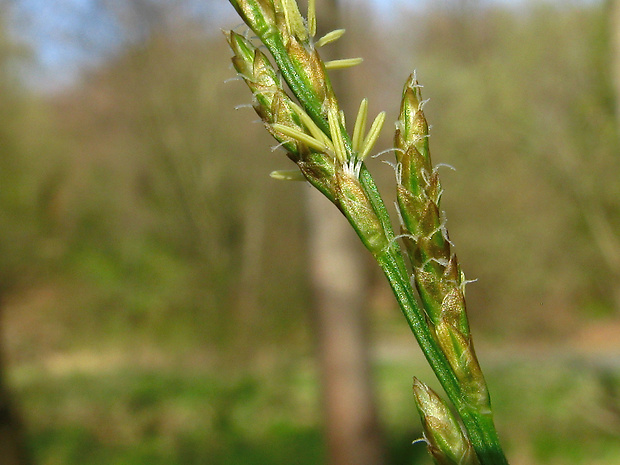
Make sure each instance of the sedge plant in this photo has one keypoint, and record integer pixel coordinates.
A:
(306, 120)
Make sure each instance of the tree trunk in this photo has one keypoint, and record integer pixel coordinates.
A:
(13, 449)
(339, 288)
(612, 249)
(339, 285)
(614, 37)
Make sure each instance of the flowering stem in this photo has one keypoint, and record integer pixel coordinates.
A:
(314, 135)
(480, 428)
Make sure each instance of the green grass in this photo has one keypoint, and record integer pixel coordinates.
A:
(171, 417)
(560, 411)
(175, 415)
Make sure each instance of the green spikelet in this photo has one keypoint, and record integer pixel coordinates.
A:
(446, 442)
(438, 277)
(436, 272)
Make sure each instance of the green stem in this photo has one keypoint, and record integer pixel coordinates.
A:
(480, 427)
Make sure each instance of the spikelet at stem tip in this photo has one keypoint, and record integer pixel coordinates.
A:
(294, 21)
(444, 437)
(259, 15)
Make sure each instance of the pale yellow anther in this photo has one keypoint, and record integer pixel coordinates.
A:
(307, 121)
(329, 37)
(343, 63)
(343, 121)
(300, 136)
(336, 135)
(373, 135)
(287, 175)
(360, 126)
(294, 20)
(312, 18)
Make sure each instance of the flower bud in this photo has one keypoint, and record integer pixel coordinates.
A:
(310, 69)
(445, 439)
(356, 206)
(413, 128)
(259, 15)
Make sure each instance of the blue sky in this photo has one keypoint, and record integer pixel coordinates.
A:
(66, 35)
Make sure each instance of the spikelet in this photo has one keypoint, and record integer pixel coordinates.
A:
(436, 271)
(446, 442)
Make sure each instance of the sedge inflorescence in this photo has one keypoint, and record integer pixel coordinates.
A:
(299, 133)
(309, 125)
(306, 120)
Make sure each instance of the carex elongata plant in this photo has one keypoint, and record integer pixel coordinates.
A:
(308, 123)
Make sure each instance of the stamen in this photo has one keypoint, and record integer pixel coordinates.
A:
(312, 18)
(360, 125)
(300, 136)
(311, 126)
(343, 63)
(373, 135)
(336, 135)
(294, 20)
(287, 175)
(329, 37)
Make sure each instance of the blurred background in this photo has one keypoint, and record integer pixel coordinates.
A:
(161, 298)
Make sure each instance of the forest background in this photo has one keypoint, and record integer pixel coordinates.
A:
(154, 290)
